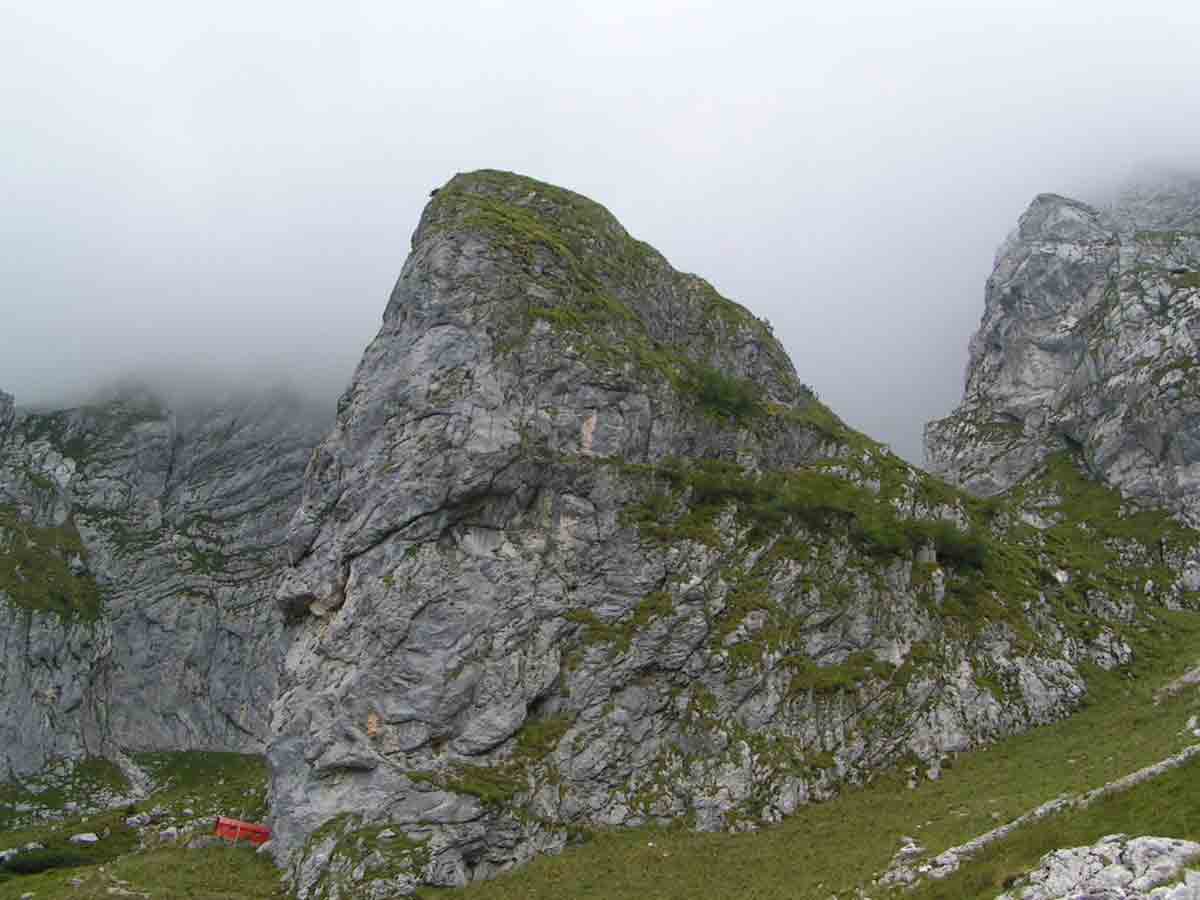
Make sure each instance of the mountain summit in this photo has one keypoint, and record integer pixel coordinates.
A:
(1088, 343)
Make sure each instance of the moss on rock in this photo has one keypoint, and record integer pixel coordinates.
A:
(43, 568)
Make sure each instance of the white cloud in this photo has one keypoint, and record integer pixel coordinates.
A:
(235, 184)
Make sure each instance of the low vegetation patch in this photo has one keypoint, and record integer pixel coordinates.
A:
(777, 502)
(491, 785)
(39, 568)
(217, 873)
(90, 784)
(57, 851)
(726, 397)
(1167, 806)
(187, 787)
(209, 783)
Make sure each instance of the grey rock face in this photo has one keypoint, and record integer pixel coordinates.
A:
(542, 577)
(7, 413)
(176, 522)
(1115, 868)
(47, 707)
(1162, 199)
(1088, 343)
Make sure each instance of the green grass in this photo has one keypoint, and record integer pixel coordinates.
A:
(726, 397)
(1168, 806)
(1092, 535)
(35, 571)
(1162, 236)
(172, 873)
(203, 783)
(498, 785)
(116, 839)
(818, 417)
(208, 783)
(808, 676)
(538, 737)
(89, 784)
(778, 502)
(527, 216)
(656, 604)
(993, 562)
(491, 785)
(207, 561)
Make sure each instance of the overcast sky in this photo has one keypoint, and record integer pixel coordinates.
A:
(233, 186)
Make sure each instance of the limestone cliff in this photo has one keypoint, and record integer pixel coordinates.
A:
(139, 548)
(581, 550)
(1088, 343)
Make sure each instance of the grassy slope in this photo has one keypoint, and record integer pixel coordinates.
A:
(170, 873)
(1168, 806)
(188, 786)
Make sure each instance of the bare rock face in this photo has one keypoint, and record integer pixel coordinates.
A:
(1088, 343)
(7, 412)
(1116, 867)
(580, 550)
(139, 549)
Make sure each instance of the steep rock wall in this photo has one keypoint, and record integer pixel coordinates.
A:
(140, 548)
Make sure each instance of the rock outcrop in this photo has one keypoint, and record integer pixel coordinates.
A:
(1088, 343)
(1116, 867)
(581, 550)
(139, 551)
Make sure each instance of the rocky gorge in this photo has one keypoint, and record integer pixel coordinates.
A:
(580, 550)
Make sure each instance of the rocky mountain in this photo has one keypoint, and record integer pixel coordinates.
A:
(139, 550)
(1088, 343)
(581, 550)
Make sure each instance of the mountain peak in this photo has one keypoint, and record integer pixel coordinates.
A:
(1087, 343)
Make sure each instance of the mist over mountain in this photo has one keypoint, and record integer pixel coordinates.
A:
(232, 189)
